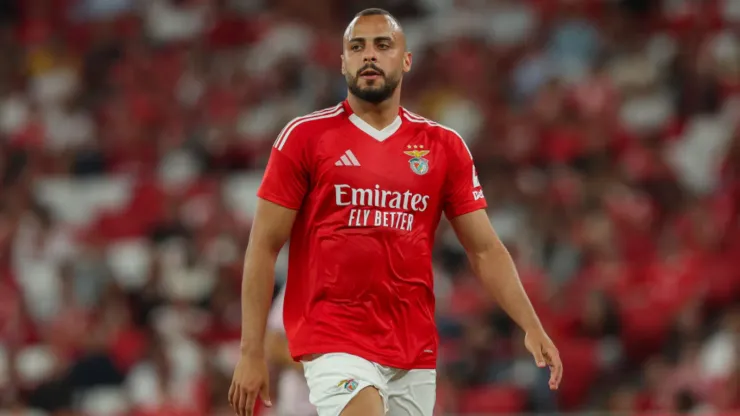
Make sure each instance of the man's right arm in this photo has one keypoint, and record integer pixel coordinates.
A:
(284, 186)
(281, 193)
(270, 230)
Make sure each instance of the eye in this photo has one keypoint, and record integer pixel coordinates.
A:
(356, 47)
(383, 46)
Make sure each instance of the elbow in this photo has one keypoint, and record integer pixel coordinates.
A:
(263, 250)
(491, 247)
(486, 253)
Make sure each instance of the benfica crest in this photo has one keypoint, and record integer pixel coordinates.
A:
(417, 163)
(350, 384)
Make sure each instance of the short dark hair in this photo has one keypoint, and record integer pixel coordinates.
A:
(374, 11)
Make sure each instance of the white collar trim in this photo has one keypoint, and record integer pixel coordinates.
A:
(379, 135)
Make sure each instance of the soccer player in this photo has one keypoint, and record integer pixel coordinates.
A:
(359, 189)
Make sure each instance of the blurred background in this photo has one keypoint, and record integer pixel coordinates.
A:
(133, 134)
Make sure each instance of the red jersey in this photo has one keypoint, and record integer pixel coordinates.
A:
(360, 257)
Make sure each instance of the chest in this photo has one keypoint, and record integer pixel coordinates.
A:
(409, 160)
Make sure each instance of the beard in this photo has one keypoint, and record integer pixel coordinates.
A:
(374, 94)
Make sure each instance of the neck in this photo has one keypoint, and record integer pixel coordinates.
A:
(377, 115)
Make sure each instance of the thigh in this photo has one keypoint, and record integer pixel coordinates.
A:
(335, 379)
(413, 393)
(367, 402)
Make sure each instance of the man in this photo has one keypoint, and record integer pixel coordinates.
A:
(293, 393)
(359, 189)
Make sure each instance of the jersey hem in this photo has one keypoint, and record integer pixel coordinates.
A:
(420, 365)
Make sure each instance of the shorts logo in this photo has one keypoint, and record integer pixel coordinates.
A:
(350, 385)
(418, 164)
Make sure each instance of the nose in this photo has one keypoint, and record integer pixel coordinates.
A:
(370, 55)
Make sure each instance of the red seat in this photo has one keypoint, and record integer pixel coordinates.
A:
(491, 399)
(450, 350)
(445, 399)
(112, 226)
(147, 204)
(467, 300)
(580, 359)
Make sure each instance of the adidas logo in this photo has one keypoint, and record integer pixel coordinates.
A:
(347, 159)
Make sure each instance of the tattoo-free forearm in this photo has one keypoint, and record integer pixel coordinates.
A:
(496, 270)
(257, 286)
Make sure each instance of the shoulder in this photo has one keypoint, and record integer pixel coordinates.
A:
(451, 139)
(299, 128)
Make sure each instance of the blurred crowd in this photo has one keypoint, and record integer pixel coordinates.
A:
(606, 135)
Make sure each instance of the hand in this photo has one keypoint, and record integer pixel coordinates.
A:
(250, 380)
(544, 352)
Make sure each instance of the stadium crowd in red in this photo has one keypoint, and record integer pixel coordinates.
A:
(606, 136)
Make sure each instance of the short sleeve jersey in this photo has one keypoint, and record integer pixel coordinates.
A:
(368, 204)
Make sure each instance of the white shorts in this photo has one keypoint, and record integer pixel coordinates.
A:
(334, 379)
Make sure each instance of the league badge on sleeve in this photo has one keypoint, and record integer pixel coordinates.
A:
(417, 163)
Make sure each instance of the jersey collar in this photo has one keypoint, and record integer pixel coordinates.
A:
(379, 135)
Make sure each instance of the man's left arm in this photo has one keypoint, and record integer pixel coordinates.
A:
(490, 260)
(492, 263)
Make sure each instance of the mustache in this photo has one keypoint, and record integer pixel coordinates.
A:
(370, 66)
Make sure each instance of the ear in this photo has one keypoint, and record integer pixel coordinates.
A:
(407, 60)
(344, 66)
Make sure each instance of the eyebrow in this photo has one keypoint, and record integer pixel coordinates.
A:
(376, 39)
